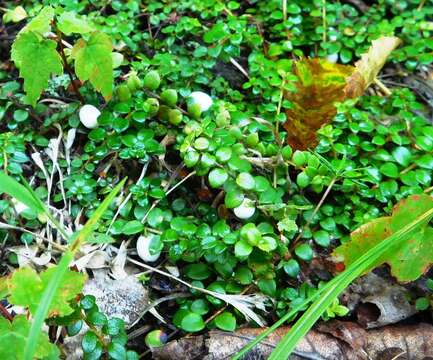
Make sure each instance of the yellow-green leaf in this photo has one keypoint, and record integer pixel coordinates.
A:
(371, 62)
(93, 62)
(15, 15)
(321, 84)
(13, 337)
(41, 23)
(26, 287)
(70, 23)
(37, 59)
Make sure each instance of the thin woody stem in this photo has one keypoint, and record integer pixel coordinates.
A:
(67, 67)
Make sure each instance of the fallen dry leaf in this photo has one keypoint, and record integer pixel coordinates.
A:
(321, 84)
(378, 301)
(332, 341)
(367, 68)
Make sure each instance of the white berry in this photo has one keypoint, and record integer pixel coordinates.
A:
(245, 210)
(89, 116)
(202, 99)
(143, 249)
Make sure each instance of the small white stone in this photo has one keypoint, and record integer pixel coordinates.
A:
(202, 99)
(245, 210)
(89, 116)
(332, 58)
(143, 249)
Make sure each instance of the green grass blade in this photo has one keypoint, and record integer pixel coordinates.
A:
(328, 293)
(56, 280)
(13, 188)
(90, 224)
(50, 216)
(334, 288)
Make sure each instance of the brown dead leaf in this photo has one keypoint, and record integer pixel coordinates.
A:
(333, 340)
(321, 84)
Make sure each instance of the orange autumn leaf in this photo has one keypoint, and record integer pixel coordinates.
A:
(321, 84)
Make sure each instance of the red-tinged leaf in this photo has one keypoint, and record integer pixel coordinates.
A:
(26, 287)
(412, 257)
(94, 62)
(321, 84)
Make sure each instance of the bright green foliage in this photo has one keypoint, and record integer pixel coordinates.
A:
(26, 288)
(407, 261)
(41, 23)
(112, 330)
(93, 62)
(11, 187)
(69, 23)
(37, 59)
(226, 321)
(13, 337)
(14, 15)
(155, 338)
(235, 154)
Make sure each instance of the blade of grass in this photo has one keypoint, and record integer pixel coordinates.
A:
(13, 188)
(50, 216)
(53, 285)
(44, 305)
(328, 293)
(90, 224)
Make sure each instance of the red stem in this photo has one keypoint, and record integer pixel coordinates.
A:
(5, 313)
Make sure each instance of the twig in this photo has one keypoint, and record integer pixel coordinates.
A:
(124, 202)
(12, 227)
(239, 67)
(5, 313)
(157, 302)
(421, 5)
(382, 87)
(23, 107)
(324, 20)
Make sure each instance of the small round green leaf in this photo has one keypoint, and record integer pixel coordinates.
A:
(192, 322)
(226, 321)
(304, 252)
(217, 177)
(245, 181)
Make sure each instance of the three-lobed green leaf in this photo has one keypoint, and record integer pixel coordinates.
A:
(94, 62)
(410, 259)
(27, 286)
(37, 59)
(13, 336)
